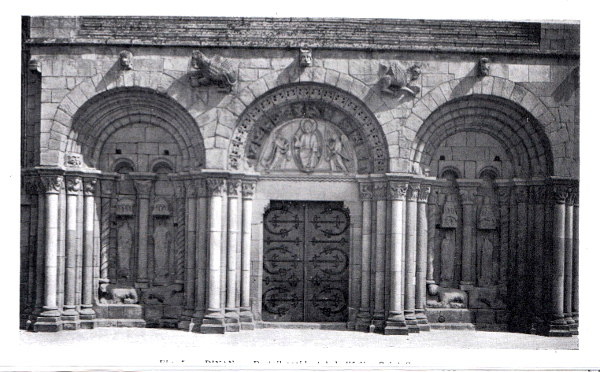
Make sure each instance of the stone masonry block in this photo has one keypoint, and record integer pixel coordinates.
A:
(500, 70)
(432, 80)
(413, 122)
(462, 69)
(332, 77)
(438, 96)
(50, 82)
(518, 73)
(539, 73)
(487, 85)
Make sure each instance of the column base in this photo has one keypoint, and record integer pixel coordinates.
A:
(411, 323)
(87, 316)
(559, 328)
(396, 325)
(213, 323)
(378, 322)
(185, 319)
(575, 326)
(48, 321)
(363, 321)
(70, 320)
(422, 321)
(232, 320)
(247, 320)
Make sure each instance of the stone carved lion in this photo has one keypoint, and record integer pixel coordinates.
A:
(114, 294)
(446, 297)
(216, 70)
(396, 79)
(167, 295)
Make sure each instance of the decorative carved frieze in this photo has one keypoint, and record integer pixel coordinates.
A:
(395, 80)
(51, 183)
(397, 190)
(89, 186)
(483, 67)
(217, 70)
(233, 187)
(366, 191)
(126, 60)
(73, 184)
(216, 186)
(305, 58)
(248, 189)
(424, 193)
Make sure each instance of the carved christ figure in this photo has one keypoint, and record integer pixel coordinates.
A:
(162, 243)
(307, 145)
(124, 243)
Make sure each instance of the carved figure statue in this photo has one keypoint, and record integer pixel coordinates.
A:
(306, 59)
(168, 295)
(278, 153)
(483, 67)
(126, 60)
(446, 297)
(113, 294)
(449, 214)
(395, 78)
(307, 145)
(124, 244)
(217, 70)
(337, 153)
(487, 217)
(162, 245)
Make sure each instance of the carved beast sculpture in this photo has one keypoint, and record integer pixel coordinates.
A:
(113, 294)
(168, 295)
(215, 70)
(446, 297)
(397, 79)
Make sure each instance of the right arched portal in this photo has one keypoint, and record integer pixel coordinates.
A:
(489, 230)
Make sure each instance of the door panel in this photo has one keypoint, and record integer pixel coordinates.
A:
(305, 263)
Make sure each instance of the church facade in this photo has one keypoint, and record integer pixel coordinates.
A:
(223, 174)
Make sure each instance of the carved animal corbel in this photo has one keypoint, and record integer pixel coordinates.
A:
(442, 297)
(217, 70)
(395, 80)
(112, 294)
(126, 60)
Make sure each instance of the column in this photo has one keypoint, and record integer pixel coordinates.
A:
(468, 192)
(213, 321)
(568, 301)
(364, 320)
(246, 316)
(410, 256)
(70, 315)
(380, 193)
(538, 194)
(86, 312)
(575, 304)
(521, 310)
(107, 185)
(143, 187)
(503, 193)
(396, 323)
(422, 259)
(558, 324)
(433, 218)
(49, 319)
(189, 272)
(232, 316)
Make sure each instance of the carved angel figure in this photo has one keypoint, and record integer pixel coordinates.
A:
(398, 79)
(337, 152)
(215, 70)
(277, 154)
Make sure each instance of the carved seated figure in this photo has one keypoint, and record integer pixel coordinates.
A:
(395, 79)
(446, 297)
(114, 294)
(167, 295)
(216, 70)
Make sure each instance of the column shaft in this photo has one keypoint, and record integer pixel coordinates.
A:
(379, 290)
(70, 315)
(422, 259)
(410, 258)
(246, 316)
(575, 304)
(568, 301)
(364, 315)
(87, 313)
(189, 272)
(468, 247)
(232, 319)
(396, 322)
(143, 191)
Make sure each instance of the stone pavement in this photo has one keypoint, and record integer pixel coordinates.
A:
(294, 348)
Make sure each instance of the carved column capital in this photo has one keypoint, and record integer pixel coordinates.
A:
(233, 187)
(434, 195)
(366, 191)
(413, 191)
(398, 190)
(468, 195)
(248, 189)
(424, 193)
(190, 189)
(51, 183)
(537, 194)
(143, 187)
(179, 188)
(379, 190)
(521, 194)
(503, 193)
(89, 186)
(560, 193)
(200, 184)
(107, 186)
(216, 186)
(73, 184)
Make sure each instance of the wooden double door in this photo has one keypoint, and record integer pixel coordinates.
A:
(305, 262)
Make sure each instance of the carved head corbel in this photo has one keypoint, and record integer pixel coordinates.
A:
(35, 65)
(306, 59)
(483, 67)
(126, 60)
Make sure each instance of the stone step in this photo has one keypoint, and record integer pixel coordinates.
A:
(337, 326)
